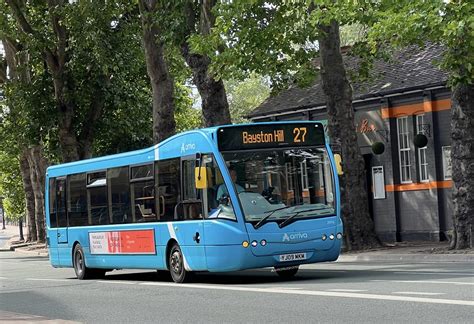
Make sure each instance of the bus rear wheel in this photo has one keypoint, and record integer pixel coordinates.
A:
(176, 265)
(79, 263)
(287, 273)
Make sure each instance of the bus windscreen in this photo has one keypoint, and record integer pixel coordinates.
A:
(270, 136)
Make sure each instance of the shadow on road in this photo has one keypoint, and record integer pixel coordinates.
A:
(266, 276)
(248, 277)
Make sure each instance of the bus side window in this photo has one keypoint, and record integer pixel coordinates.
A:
(53, 222)
(97, 198)
(119, 195)
(77, 199)
(142, 189)
(169, 189)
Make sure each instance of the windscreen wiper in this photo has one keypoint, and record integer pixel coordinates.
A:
(290, 219)
(271, 212)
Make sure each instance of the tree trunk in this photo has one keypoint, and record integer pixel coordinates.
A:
(462, 157)
(162, 83)
(215, 107)
(67, 137)
(20, 224)
(38, 164)
(29, 197)
(358, 225)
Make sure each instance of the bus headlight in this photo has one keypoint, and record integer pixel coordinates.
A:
(324, 237)
(263, 242)
(331, 237)
(339, 236)
(254, 243)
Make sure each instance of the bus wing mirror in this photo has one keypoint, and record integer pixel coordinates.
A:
(200, 177)
(338, 161)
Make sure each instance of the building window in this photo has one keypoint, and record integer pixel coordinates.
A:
(404, 149)
(447, 168)
(422, 162)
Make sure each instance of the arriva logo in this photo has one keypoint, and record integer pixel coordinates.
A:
(186, 147)
(295, 236)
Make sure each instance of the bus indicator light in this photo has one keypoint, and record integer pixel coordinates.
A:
(245, 244)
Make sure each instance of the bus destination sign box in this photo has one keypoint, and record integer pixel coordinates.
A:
(270, 136)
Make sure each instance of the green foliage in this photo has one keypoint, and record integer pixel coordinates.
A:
(277, 38)
(256, 36)
(11, 186)
(245, 96)
(186, 116)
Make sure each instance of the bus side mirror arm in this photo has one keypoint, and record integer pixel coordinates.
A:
(199, 163)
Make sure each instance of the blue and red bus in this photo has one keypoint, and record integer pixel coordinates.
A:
(216, 199)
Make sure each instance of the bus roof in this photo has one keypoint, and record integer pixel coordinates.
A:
(207, 141)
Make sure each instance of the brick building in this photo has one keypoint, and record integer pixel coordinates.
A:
(409, 186)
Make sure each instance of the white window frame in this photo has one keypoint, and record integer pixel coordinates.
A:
(422, 151)
(404, 135)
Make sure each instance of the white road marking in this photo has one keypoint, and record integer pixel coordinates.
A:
(347, 290)
(436, 273)
(417, 293)
(315, 293)
(46, 279)
(429, 282)
(118, 282)
(3, 278)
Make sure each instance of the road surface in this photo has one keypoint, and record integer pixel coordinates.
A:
(341, 292)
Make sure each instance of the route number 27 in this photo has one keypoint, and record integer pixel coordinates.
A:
(300, 134)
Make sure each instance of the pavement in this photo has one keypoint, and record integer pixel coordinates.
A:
(398, 252)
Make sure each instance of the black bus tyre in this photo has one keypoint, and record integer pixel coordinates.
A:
(176, 265)
(79, 263)
(287, 273)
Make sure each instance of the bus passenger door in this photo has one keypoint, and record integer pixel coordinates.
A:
(52, 234)
(188, 218)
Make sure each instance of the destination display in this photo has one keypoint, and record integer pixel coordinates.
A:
(270, 136)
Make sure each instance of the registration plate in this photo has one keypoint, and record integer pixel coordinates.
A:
(292, 257)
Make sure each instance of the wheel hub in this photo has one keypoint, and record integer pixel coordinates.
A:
(176, 262)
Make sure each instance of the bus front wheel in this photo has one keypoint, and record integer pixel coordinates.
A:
(287, 273)
(176, 265)
(79, 263)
